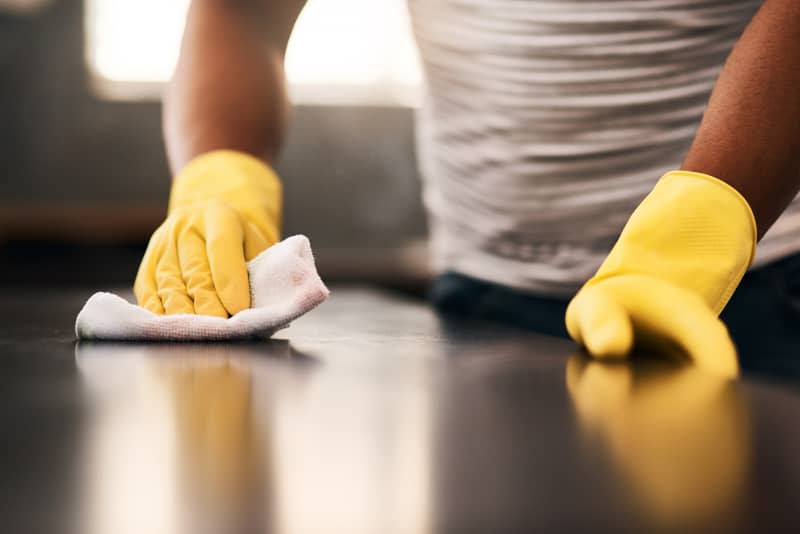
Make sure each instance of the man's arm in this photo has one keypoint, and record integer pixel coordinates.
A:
(225, 113)
(229, 88)
(688, 244)
(750, 133)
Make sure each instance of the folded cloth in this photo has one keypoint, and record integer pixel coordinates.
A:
(284, 285)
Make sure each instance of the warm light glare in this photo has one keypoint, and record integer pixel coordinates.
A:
(341, 51)
(134, 40)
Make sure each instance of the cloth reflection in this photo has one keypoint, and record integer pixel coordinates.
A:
(249, 438)
(175, 447)
(679, 436)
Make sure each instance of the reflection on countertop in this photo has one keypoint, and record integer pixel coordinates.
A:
(245, 438)
(372, 414)
(681, 436)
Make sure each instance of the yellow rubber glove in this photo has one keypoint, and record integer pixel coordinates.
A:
(677, 262)
(224, 209)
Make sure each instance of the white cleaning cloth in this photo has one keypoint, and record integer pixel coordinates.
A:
(284, 285)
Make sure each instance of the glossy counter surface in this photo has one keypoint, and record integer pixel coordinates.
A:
(372, 415)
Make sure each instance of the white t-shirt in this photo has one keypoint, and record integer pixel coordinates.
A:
(545, 123)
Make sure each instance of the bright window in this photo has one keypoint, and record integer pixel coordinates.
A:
(346, 52)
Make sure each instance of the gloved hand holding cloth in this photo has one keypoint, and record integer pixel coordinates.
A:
(215, 256)
(676, 264)
(224, 209)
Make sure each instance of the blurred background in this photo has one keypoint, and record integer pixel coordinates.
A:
(83, 172)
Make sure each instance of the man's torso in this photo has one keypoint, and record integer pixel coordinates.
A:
(545, 123)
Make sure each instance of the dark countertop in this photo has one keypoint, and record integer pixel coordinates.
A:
(372, 415)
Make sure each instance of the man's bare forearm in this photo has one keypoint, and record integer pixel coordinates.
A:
(229, 88)
(750, 133)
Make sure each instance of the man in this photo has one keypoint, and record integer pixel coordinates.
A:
(544, 125)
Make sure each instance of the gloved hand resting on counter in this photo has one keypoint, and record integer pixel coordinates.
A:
(224, 209)
(677, 262)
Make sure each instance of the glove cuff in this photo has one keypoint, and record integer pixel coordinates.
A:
(693, 230)
(242, 181)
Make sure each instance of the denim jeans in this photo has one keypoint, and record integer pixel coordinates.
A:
(763, 316)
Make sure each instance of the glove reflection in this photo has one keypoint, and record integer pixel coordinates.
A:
(218, 443)
(174, 442)
(678, 435)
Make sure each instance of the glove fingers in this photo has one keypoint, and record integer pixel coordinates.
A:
(597, 321)
(665, 315)
(254, 241)
(225, 250)
(197, 275)
(171, 288)
(145, 287)
(598, 390)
